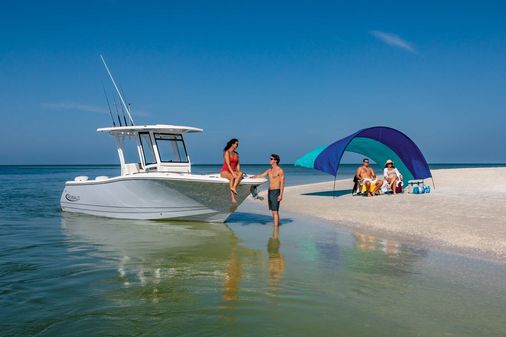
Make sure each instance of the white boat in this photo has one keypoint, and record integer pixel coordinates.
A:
(157, 182)
(160, 186)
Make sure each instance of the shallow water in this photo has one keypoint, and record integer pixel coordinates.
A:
(76, 275)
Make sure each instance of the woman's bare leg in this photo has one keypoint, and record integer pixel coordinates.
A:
(392, 185)
(237, 180)
(228, 175)
(230, 178)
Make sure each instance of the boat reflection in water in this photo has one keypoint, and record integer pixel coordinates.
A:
(161, 259)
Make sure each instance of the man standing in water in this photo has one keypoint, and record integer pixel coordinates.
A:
(276, 186)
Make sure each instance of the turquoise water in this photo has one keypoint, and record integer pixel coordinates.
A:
(75, 275)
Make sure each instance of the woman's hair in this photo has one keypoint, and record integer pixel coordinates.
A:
(393, 166)
(230, 143)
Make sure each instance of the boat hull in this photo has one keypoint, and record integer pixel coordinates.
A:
(154, 198)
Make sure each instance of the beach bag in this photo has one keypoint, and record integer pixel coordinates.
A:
(398, 188)
(355, 185)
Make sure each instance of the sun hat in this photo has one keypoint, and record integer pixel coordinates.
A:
(389, 162)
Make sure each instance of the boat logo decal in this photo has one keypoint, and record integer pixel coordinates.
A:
(71, 197)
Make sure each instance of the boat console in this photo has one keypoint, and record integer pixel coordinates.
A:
(159, 148)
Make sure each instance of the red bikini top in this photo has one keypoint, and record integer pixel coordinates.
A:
(233, 163)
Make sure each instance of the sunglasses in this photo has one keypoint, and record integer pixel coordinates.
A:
(272, 159)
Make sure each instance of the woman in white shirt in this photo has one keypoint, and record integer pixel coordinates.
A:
(392, 175)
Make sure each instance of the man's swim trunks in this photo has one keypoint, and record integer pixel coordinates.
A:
(273, 200)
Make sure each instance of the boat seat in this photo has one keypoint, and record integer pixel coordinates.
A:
(101, 178)
(81, 178)
(174, 168)
(130, 168)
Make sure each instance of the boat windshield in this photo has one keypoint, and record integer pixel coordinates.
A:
(171, 148)
(147, 148)
(129, 149)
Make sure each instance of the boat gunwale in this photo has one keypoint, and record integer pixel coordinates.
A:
(215, 179)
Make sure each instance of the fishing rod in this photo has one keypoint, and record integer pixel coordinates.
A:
(117, 110)
(124, 105)
(129, 105)
(124, 118)
(108, 104)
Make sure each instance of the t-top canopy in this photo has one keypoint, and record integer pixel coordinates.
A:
(162, 128)
(378, 143)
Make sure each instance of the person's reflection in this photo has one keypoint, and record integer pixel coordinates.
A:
(232, 274)
(390, 247)
(365, 242)
(368, 242)
(276, 260)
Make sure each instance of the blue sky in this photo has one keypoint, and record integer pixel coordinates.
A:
(281, 76)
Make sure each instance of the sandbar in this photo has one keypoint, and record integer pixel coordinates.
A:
(466, 211)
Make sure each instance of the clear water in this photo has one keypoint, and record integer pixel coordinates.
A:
(76, 275)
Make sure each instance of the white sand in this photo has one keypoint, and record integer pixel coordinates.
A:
(466, 211)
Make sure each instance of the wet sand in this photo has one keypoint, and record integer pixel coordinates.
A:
(466, 212)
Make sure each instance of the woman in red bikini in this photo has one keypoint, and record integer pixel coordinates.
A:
(231, 168)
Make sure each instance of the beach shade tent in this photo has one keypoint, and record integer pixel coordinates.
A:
(378, 143)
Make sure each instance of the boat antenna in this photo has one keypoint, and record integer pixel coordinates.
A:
(108, 104)
(117, 90)
(117, 110)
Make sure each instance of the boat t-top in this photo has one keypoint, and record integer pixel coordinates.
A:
(158, 183)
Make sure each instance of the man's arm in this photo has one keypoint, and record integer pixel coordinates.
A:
(261, 175)
(358, 174)
(281, 184)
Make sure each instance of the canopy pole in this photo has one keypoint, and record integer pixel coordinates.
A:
(434, 185)
(334, 190)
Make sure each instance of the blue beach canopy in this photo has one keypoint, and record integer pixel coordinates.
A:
(378, 143)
